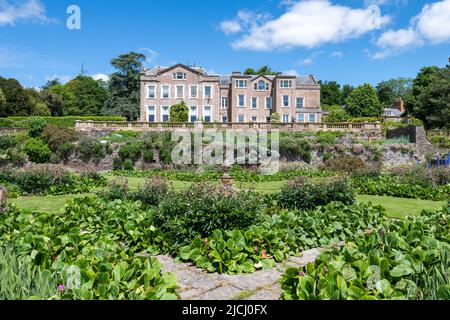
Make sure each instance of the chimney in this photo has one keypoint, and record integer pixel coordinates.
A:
(399, 105)
(236, 73)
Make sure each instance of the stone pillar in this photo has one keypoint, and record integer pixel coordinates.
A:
(2, 199)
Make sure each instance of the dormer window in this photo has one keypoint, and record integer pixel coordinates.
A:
(179, 76)
(285, 83)
(241, 83)
(261, 85)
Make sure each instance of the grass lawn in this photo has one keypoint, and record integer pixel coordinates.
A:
(400, 207)
(47, 203)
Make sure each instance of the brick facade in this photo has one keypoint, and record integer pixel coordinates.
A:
(235, 98)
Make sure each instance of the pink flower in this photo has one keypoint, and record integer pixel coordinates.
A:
(61, 287)
(301, 274)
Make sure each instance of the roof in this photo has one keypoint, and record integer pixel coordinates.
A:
(392, 112)
(302, 80)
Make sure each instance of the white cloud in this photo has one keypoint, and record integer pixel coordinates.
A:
(309, 23)
(230, 26)
(336, 55)
(100, 76)
(62, 78)
(150, 55)
(430, 26)
(385, 2)
(305, 62)
(12, 12)
(291, 72)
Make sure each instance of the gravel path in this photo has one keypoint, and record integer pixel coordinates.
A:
(197, 284)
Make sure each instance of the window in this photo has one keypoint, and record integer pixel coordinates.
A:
(254, 103)
(262, 86)
(193, 114)
(151, 114)
(179, 76)
(241, 118)
(165, 92)
(224, 103)
(193, 94)
(165, 113)
(241, 83)
(300, 117)
(268, 102)
(254, 119)
(285, 118)
(207, 114)
(286, 83)
(180, 92)
(285, 101)
(152, 92)
(300, 103)
(241, 101)
(267, 119)
(312, 118)
(224, 119)
(207, 92)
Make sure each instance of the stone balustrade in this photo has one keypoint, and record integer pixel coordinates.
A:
(92, 126)
(5, 131)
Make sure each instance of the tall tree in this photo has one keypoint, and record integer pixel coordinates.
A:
(87, 97)
(124, 86)
(18, 102)
(346, 90)
(393, 89)
(429, 99)
(363, 102)
(250, 71)
(2, 99)
(266, 71)
(330, 93)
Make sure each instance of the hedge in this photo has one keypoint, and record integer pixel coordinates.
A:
(66, 122)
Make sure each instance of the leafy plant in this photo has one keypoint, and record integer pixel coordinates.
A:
(37, 151)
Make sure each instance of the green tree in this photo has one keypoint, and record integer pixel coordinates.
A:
(250, 71)
(429, 99)
(53, 101)
(393, 89)
(86, 97)
(330, 93)
(179, 113)
(266, 71)
(2, 99)
(363, 102)
(41, 109)
(336, 114)
(275, 118)
(124, 86)
(346, 90)
(17, 101)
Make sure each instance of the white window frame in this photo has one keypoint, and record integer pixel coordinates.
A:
(175, 75)
(282, 118)
(253, 99)
(289, 100)
(296, 104)
(266, 86)
(162, 91)
(224, 105)
(241, 115)
(196, 113)
(162, 113)
(241, 81)
(211, 113)
(224, 118)
(245, 98)
(297, 119)
(204, 91)
(271, 103)
(176, 91)
(148, 91)
(151, 113)
(190, 92)
(288, 82)
(256, 119)
(315, 118)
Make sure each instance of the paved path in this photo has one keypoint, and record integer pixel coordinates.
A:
(197, 284)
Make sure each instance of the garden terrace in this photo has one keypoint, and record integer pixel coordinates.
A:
(92, 126)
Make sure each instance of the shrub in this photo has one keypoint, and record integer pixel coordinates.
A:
(202, 209)
(303, 194)
(179, 113)
(132, 151)
(36, 126)
(327, 137)
(148, 155)
(116, 190)
(64, 151)
(7, 142)
(90, 149)
(39, 178)
(292, 148)
(346, 164)
(37, 151)
(275, 118)
(66, 122)
(152, 192)
(128, 165)
(117, 164)
(56, 136)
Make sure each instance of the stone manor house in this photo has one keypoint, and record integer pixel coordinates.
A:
(234, 98)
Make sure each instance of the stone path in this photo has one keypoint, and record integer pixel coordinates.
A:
(197, 284)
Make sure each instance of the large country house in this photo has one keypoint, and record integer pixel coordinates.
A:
(233, 98)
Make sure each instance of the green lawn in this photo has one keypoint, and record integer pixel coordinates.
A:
(395, 207)
(400, 207)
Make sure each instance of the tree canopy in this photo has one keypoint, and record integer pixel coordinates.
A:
(124, 86)
(332, 94)
(17, 101)
(262, 71)
(179, 113)
(86, 97)
(393, 89)
(363, 102)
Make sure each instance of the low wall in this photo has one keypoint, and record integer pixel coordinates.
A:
(103, 126)
(5, 131)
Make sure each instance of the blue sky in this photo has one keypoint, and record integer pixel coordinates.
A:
(344, 41)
